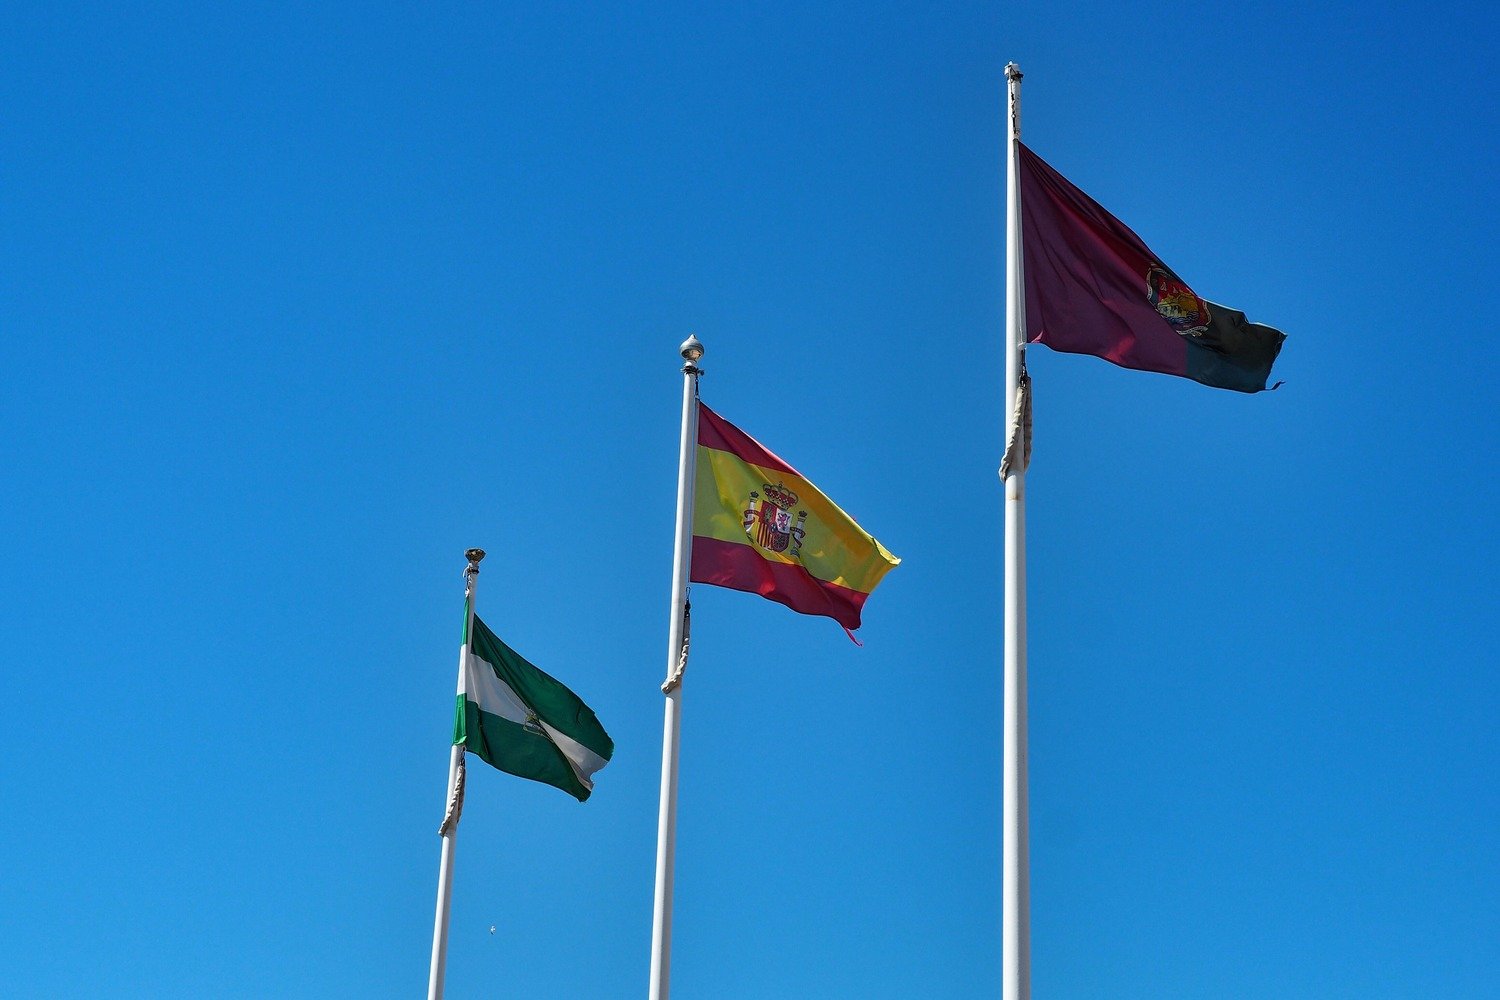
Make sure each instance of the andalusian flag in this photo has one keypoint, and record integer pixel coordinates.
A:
(518, 719)
(760, 527)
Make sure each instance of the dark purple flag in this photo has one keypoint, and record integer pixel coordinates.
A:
(1093, 287)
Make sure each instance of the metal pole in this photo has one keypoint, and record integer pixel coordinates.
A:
(682, 553)
(450, 829)
(1015, 877)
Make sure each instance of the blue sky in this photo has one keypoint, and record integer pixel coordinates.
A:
(299, 304)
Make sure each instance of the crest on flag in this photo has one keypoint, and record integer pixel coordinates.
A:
(533, 724)
(1178, 304)
(772, 521)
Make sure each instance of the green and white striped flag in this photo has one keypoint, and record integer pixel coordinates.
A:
(518, 719)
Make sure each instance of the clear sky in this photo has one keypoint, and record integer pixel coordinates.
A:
(298, 303)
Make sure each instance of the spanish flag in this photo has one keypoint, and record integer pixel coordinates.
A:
(760, 527)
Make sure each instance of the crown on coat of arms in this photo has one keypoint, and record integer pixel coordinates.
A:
(779, 495)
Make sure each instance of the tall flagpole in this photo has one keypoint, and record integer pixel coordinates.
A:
(682, 554)
(449, 828)
(1015, 878)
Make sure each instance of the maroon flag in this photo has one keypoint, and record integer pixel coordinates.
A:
(1093, 287)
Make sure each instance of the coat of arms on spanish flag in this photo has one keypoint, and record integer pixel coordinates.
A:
(760, 527)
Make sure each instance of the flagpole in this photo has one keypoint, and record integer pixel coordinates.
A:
(682, 552)
(449, 829)
(1015, 951)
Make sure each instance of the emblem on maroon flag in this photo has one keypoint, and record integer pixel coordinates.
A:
(772, 522)
(1178, 304)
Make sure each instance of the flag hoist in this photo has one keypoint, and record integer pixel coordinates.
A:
(449, 829)
(517, 719)
(1080, 281)
(746, 521)
(1015, 888)
(682, 554)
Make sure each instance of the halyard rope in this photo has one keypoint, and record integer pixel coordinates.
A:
(1018, 447)
(687, 631)
(455, 801)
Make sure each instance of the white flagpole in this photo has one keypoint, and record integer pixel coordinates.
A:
(682, 553)
(1015, 877)
(449, 829)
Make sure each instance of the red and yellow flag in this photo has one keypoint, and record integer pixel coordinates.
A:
(760, 527)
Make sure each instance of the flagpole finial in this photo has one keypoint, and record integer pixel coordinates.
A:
(473, 555)
(691, 350)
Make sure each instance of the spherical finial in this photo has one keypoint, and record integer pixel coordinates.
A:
(474, 555)
(692, 349)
